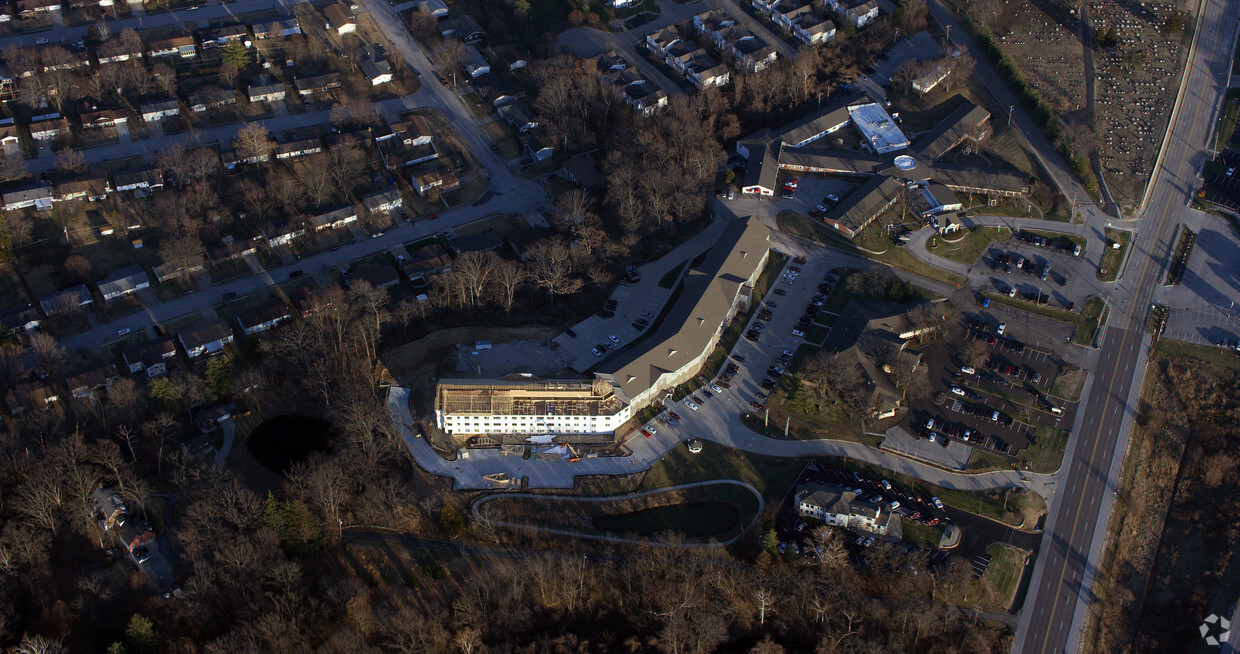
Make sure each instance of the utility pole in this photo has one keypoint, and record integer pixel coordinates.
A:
(1010, 108)
(949, 35)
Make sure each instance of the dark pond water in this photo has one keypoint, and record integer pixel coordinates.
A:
(281, 441)
(694, 520)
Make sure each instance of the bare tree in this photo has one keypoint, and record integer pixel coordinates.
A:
(316, 177)
(254, 142)
(183, 253)
(70, 161)
(510, 276)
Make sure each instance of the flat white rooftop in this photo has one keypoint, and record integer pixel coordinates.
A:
(877, 128)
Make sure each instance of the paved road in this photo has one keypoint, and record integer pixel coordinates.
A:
(1076, 531)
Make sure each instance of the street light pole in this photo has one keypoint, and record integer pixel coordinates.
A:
(1010, 108)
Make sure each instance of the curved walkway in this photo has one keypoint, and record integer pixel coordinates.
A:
(473, 510)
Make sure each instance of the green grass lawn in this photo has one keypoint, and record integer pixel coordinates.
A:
(1068, 384)
(871, 239)
(1007, 565)
(920, 535)
(968, 248)
(1113, 257)
(1227, 119)
(1043, 458)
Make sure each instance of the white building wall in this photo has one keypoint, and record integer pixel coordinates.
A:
(461, 424)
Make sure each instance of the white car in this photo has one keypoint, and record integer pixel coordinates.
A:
(597, 352)
(956, 390)
(895, 504)
(1002, 326)
(614, 339)
(798, 333)
(122, 331)
(691, 404)
(968, 370)
(716, 388)
(868, 542)
(650, 428)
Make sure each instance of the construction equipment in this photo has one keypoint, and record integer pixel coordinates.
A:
(573, 455)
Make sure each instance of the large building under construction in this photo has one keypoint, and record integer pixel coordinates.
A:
(527, 407)
(524, 409)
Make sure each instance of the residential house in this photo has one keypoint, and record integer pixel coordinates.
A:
(535, 143)
(160, 109)
(108, 508)
(299, 148)
(230, 249)
(177, 46)
(377, 277)
(65, 300)
(263, 317)
(218, 37)
(518, 116)
(473, 62)
(414, 131)
(39, 197)
(9, 139)
(147, 179)
(21, 319)
(135, 535)
(307, 86)
(276, 28)
(931, 78)
(383, 201)
(309, 301)
(618, 4)
(231, 159)
(582, 171)
(282, 233)
(335, 218)
(463, 28)
(749, 50)
(6, 14)
(122, 282)
(430, 259)
(439, 180)
(93, 187)
(436, 8)
(340, 19)
(265, 88)
(645, 97)
(114, 50)
(85, 384)
(206, 339)
(378, 72)
(497, 89)
(212, 417)
(31, 8)
(165, 272)
(31, 395)
(798, 18)
(210, 97)
(840, 507)
(103, 118)
(513, 57)
(152, 357)
(661, 42)
(49, 128)
(703, 71)
(610, 62)
(858, 12)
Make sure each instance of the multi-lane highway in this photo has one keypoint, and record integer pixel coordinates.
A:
(1054, 612)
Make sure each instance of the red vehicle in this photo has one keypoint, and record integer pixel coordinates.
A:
(756, 405)
(433, 216)
(646, 432)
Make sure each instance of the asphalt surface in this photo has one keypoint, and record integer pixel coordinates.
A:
(1054, 613)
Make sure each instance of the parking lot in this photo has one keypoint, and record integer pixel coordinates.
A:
(994, 406)
(1018, 269)
(1222, 188)
(812, 192)
(1205, 305)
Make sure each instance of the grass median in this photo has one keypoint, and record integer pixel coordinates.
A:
(1108, 270)
(970, 246)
